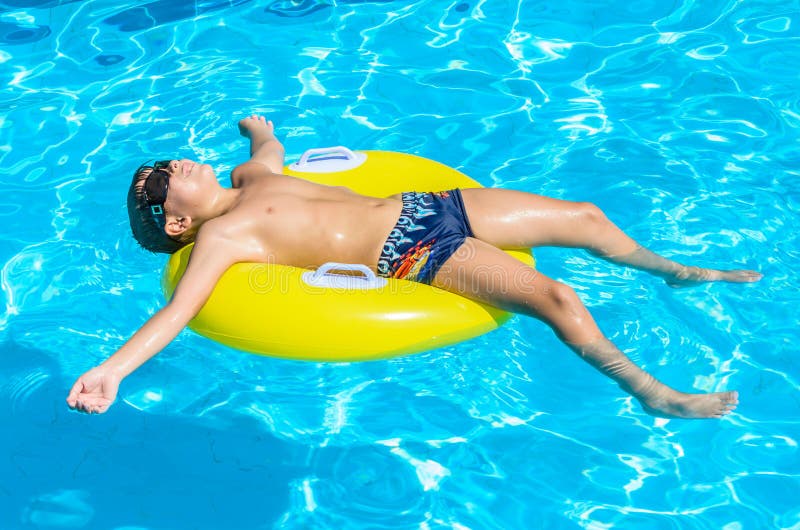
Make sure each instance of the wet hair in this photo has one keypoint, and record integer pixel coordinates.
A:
(143, 225)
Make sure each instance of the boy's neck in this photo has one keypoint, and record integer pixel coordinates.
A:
(219, 204)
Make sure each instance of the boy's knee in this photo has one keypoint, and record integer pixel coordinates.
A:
(565, 298)
(591, 213)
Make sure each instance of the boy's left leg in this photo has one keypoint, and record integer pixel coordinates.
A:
(482, 272)
(515, 219)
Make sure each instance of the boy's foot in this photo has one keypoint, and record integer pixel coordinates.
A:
(692, 406)
(694, 275)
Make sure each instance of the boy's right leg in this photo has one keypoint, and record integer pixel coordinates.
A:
(482, 272)
(516, 219)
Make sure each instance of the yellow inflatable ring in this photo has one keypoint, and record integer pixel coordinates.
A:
(276, 310)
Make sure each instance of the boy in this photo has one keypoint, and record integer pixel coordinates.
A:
(270, 217)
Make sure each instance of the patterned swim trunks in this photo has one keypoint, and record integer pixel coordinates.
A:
(430, 229)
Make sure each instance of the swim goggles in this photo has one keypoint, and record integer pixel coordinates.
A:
(155, 190)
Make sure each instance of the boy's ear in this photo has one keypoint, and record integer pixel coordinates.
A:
(177, 225)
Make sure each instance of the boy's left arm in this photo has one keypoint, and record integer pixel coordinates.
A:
(264, 147)
(95, 391)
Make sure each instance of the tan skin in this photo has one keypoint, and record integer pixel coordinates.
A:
(269, 217)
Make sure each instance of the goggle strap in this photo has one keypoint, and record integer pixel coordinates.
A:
(156, 209)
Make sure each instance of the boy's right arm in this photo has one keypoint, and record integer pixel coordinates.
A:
(95, 390)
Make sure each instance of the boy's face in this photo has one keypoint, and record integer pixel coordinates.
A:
(189, 184)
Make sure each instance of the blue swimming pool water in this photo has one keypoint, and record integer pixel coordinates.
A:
(680, 119)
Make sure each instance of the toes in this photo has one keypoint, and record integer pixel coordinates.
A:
(728, 402)
(731, 397)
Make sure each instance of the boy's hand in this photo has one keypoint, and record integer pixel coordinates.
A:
(265, 149)
(94, 391)
(254, 125)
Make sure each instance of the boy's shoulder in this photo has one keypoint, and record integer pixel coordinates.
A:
(219, 227)
(246, 172)
(227, 234)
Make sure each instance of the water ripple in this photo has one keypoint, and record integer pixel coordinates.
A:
(681, 120)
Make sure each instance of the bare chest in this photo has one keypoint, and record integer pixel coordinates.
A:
(304, 231)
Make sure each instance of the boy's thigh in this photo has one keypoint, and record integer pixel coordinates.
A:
(485, 273)
(517, 219)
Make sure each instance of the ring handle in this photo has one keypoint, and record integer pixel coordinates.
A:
(328, 160)
(333, 266)
(325, 276)
(339, 150)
